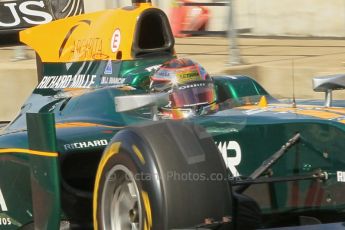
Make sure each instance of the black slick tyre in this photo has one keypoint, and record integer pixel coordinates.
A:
(164, 175)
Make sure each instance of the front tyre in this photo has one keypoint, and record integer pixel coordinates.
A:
(158, 176)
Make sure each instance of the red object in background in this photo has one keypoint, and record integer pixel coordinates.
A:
(187, 18)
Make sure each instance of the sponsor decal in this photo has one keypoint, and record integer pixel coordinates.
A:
(87, 48)
(112, 80)
(116, 41)
(86, 144)
(67, 81)
(195, 85)
(66, 8)
(69, 34)
(23, 13)
(108, 68)
(152, 68)
(340, 176)
(188, 76)
(227, 148)
(5, 221)
(162, 75)
(3, 206)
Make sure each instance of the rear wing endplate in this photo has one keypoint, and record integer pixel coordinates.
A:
(45, 176)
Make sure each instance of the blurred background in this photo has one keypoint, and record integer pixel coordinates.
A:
(282, 44)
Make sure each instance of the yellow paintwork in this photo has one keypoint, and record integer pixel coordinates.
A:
(85, 37)
(336, 110)
(138, 153)
(147, 207)
(112, 150)
(28, 151)
(308, 110)
(83, 124)
(263, 102)
(318, 113)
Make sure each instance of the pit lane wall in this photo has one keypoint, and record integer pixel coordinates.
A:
(17, 80)
(318, 18)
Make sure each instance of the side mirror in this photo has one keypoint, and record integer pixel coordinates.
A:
(327, 84)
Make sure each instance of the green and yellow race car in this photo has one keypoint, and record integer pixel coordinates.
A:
(121, 134)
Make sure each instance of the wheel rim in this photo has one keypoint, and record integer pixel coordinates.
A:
(121, 205)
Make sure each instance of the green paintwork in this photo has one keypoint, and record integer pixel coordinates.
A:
(31, 188)
(241, 87)
(259, 141)
(16, 192)
(45, 176)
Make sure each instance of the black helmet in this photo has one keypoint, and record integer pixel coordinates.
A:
(189, 85)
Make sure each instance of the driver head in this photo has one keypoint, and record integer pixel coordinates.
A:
(191, 90)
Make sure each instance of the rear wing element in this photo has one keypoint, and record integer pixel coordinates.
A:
(18, 15)
(327, 84)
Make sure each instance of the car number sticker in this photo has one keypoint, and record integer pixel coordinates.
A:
(3, 206)
(233, 161)
(116, 41)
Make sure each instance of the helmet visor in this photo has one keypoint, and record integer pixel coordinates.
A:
(192, 95)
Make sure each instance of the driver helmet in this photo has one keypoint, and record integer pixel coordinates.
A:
(191, 90)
